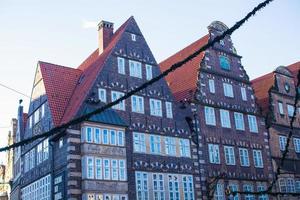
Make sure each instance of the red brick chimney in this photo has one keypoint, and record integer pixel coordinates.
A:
(105, 33)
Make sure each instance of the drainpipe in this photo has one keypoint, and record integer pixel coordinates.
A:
(52, 169)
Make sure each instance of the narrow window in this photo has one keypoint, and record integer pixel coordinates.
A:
(244, 157)
(135, 69)
(105, 139)
(282, 142)
(148, 72)
(244, 94)
(122, 170)
(155, 107)
(89, 134)
(121, 65)
(116, 95)
(169, 111)
(90, 167)
(139, 142)
(114, 169)
(106, 164)
(188, 187)
(211, 84)
(257, 158)
(297, 145)
(170, 146)
(174, 193)
(239, 121)
(228, 91)
(98, 163)
(155, 146)
(184, 148)
(214, 153)
(121, 138)
(219, 192)
(225, 118)
(158, 186)
(229, 155)
(141, 183)
(252, 124)
(102, 95)
(97, 135)
(137, 104)
(290, 109)
(210, 116)
(280, 108)
(113, 137)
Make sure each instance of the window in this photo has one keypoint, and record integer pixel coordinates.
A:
(122, 170)
(233, 187)
(297, 145)
(155, 107)
(211, 84)
(90, 167)
(173, 187)
(121, 65)
(32, 159)
(105, 136)
(225, 118)
(280, 108)
(26, 161)
(290, 185)
(155, 144)
(89, 134)
(260, 188)
(282, 185)
(133, 37)
(97, 135)
(39, 153)
(137, 104)
(257, 158)
(282, 142)
(37, 189)
(169, 111)
(141, 179)
(219, 192)
(248, 188)
(158, 187)
(210, 115)
(188, 187)
(114, 170)
(244, 157)
(135, 69)
(30, 121)
(139, 142)
(228, 91)
(43, 110)
(46, 149)
(61, 142)
(98, 165)
(106, 166)
(244, 94)
(297, 186)
(224, 62)
(148, 72)
(252, 124)
(116, 95)
(229, 155)
(184, 147)
(36, 116)
(170, 146)
(102, 95)
(121, 138)
(113, 137)
(214, 153)
(239, 121)
(290, 109)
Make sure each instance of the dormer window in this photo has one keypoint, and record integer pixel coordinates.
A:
(224, 62)
(133, 37)
(222, 42)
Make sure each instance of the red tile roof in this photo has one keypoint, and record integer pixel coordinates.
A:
(294, 69)
(183, 81)
(60, 83)
(91, 68)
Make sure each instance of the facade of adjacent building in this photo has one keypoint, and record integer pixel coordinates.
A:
(275, 93)
(233, 140)
(139, 149)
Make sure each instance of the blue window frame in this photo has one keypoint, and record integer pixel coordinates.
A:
(224, 62)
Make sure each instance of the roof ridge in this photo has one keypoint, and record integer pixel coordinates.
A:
(57, 65)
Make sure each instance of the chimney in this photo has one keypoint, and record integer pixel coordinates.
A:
(105, 33)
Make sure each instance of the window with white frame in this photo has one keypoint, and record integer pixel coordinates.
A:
(43, 110)
(121, 65)
(46, 149)
(185, 150)
(280, 108)
(261, 187)
(139, 142)
(170, 145)
(135, 69)
(114, 169)
(98, 168)
(173, 184)
(89, 134)
(90, 167)
(30, 121)
(149, 72)
(225, 118)
(290, 109)
(133, 37)
(229, 155)
(234, 188)
(36, 116)
(39, 153)
(210, 115)
(155, 144)
(121, 138)
(113, 137)
(106, 169)
(219, 192)
(282, 142)
(297, 186)
(158, 186)
(97, 135)
(102, 94)
(290, 185)
(248, 188)
(32, 159)
(257, 158)
(26, 162)
(142, 185)
(37, 189)
(155, 107)
(244, 94)
(282, 185)
(117, 95)
(211, 85)
(169, 112)
(297, 145)
(188, 187)
(239, 121)
(228, 91)
(214, 153)
(137, 104)
(122, 170)
(61, 142)
(105, 136)
(252, 124)
(244, 157)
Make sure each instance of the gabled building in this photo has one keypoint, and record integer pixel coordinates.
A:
(233, 141)
(139, 149)
(275, 93)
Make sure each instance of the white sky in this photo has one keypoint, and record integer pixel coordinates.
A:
(63, 32)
